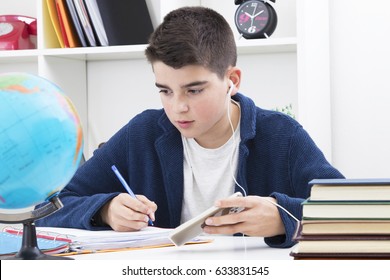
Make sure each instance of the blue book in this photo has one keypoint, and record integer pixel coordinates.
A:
(11, 243)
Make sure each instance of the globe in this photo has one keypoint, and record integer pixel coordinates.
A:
(41, 140)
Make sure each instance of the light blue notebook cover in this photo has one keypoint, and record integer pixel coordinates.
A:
(11, 243)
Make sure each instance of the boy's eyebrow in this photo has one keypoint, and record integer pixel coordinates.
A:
(196, 83)
(192, 84)
(161, 85)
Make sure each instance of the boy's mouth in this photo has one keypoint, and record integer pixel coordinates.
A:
(184, 124)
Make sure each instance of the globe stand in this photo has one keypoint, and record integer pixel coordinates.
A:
(29, 249)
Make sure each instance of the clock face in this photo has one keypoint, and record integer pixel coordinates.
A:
(252, 19)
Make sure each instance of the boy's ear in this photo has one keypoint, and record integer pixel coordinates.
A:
(234, 75)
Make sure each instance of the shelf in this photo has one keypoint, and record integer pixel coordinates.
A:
(244, 46)
(19, 56)
(99, 53)
(271, 45)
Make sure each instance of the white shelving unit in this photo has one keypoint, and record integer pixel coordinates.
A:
(109, 85)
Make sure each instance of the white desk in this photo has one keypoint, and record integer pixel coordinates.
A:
(222, 248)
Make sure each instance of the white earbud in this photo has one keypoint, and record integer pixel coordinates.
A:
(231, 88)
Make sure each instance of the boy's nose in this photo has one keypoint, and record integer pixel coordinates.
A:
(180, 104)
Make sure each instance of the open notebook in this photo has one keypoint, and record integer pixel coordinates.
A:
(67, 241)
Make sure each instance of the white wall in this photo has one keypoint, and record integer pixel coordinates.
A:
(360, 86)
(18, 7)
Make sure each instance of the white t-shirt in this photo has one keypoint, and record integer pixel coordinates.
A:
(208, 174)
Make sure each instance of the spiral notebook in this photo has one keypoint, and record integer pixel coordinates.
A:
(11, 243)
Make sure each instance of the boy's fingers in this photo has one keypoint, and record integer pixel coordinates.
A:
(152, 206)
(232, 202)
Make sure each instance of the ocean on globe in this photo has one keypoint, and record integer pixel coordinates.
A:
(41, 140)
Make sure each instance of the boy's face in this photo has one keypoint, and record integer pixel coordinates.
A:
(195, 101)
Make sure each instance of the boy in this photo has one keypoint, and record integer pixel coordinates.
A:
(208, 142)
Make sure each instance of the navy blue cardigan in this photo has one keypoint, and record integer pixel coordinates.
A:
(276, 158)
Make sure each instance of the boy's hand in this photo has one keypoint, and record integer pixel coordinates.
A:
(124, 213)
(259, 218)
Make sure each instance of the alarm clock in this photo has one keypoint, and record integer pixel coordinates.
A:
(255, 18)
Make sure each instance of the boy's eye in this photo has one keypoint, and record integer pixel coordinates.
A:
(195, 91)
(164, 91)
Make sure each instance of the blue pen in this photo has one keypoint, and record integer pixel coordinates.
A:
(126, 186)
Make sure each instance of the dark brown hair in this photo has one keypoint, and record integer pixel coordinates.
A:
(194, 36)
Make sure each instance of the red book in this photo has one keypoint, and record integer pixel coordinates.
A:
(67, 28)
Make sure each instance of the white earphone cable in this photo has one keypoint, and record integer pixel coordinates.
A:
(234, 146)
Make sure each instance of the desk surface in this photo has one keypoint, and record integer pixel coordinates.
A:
(222, 247)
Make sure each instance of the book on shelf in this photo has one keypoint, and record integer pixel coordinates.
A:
(55, 22)
(65, 241)
(76, 22)
(343, 226)
(125, 22)
(93, 12)
(346, 209)
(85, 22)
(68, 30)
(350, 189)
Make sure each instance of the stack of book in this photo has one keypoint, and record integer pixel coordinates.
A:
(345, 219)
(90, 23)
